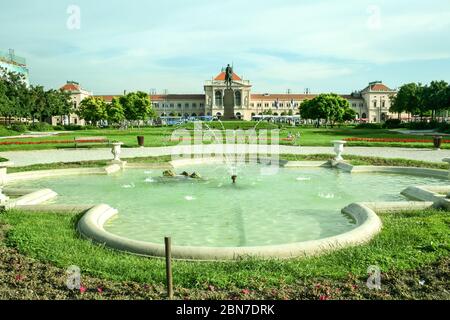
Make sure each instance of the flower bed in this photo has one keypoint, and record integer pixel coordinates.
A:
(393, 140)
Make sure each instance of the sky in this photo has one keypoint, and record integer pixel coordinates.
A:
(327, 46)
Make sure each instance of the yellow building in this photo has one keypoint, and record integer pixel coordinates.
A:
(370, 104)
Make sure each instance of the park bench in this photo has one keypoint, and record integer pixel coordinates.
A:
(90, 140)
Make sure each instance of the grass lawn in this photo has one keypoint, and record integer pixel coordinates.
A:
(161, 136)
(413, 247)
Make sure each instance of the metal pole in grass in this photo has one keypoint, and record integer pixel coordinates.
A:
(169, 282)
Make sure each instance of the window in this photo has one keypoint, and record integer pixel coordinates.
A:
(172, 105)
(218, 98)
(179, 105)
(266, 105)
(259, 104)
(375, 104)
(194, 105)
(354, 105)
(186, 105)
(202, 105)
(252, 104)
(237, 98)
(156, 105)
(281, 105)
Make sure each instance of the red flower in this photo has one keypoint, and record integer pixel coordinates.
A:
(19, 277)
(83, 289)
(393, 140)
(100, 290)
(245, 291)
(324, 298)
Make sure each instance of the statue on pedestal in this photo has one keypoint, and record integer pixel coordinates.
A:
(229, 76)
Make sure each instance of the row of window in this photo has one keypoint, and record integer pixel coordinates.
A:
(179, 105)
(219, 102)
(276, 104)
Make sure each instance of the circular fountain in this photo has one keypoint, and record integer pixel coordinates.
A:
(285, 213)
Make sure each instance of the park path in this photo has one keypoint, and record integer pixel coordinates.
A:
(25, 158)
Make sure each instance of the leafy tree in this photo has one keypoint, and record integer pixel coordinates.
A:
(329, 107)
(15, 95)
(137, 106)
(92, 109)
(435, 96)
(115, 112)
(410, 98)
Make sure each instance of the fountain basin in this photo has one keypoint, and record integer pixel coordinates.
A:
(296, 212)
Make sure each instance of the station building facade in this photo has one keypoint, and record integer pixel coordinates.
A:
(371, 104)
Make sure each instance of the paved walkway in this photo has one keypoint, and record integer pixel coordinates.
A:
(24, 158)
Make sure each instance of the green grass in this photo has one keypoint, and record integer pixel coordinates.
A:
(368, 161)
(408, 241)
(85, 164)
(160, 136)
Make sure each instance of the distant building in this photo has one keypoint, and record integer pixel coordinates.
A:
(13, 63)
(77, 94)
(370, 104)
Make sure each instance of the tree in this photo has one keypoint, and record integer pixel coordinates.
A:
(435, 96)
(137, 106)
(115, 112)
(329, 107)
(410, 99)
(16, 99)
(92, 109)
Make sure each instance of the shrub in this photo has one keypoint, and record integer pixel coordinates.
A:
(393, 124)
(444, 127)
(40, 126)
(18, 127)
(72, 127)
(58, 128)
(422, 125)
(369, 126)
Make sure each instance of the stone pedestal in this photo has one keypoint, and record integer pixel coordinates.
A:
(228, 105)
(339, 149)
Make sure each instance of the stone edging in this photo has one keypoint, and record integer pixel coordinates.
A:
(369, 224)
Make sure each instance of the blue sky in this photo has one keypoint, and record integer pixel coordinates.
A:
(323, 45)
